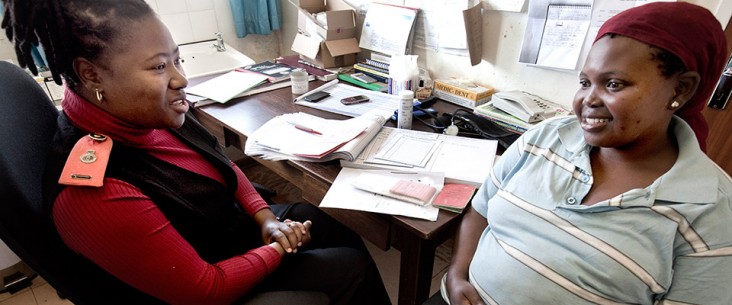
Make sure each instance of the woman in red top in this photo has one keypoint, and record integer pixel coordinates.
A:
(174, 218)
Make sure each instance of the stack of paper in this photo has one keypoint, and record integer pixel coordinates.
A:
(301, 136)
(463, 160)
(227, 86)
(345, 193)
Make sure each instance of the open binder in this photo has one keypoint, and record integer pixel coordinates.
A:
(301, 136)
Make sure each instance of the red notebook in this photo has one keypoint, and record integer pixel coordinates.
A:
(454, 197)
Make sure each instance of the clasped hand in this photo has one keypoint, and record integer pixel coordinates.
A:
(289, 234)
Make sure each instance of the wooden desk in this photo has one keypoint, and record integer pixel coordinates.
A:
(416, 239)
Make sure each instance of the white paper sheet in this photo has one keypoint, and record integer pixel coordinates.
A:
(564, 33)
(227, 86)
(380, 102)
(440, 24)
(343, 195)
(386, 28)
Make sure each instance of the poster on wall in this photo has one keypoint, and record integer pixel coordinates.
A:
(560, 33)
(388, 29)
(555, 33)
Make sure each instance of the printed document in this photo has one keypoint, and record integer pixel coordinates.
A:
(305, 137)
(463, 160)
(564, 33)
(387, 28)
(379, 102)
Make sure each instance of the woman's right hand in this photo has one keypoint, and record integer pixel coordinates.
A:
(461, 292)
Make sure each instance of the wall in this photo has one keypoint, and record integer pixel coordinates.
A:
(502, 36)
(6, 49)
(196, 20)
(193, 20)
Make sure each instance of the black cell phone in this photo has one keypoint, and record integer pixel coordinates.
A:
(355, 99)
(316, 96)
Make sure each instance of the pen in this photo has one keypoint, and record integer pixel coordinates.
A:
(305, 128)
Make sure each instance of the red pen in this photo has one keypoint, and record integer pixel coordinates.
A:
(305, 128)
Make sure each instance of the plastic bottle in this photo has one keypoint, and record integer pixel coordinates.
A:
(299, 80)
(406, 104)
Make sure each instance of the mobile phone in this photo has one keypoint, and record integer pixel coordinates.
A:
(355, 99)
(363, 78)
(316, 96)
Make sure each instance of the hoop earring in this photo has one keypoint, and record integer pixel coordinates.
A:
(674, 105)
(100, 97)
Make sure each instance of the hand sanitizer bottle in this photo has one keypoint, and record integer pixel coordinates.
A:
(404, 117)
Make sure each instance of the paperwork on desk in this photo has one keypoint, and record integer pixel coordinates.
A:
(301, 136)
(343, 194)
(463, 160)
(226, 86)
(379, 102)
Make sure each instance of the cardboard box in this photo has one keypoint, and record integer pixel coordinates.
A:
(333, 45)
(468, 95)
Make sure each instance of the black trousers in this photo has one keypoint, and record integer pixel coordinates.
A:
(335, 262)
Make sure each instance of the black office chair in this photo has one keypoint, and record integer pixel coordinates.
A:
(27, 126)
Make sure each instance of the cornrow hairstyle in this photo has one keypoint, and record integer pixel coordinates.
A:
(67, 29)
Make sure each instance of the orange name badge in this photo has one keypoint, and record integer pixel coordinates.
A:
(87, 162)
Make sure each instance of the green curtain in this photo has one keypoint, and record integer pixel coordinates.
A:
(256, 16)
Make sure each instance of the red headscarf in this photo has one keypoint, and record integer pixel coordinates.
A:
(688, 31)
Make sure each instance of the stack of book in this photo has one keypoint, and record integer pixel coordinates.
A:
(275, 72)
(502, 118)
(319, 73)
(378, 70)
(375, 86)
(510, 122)
(466, 94)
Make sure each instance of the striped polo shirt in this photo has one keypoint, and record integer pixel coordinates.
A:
(670, 241)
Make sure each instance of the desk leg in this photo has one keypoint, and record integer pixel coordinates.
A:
(415, 273)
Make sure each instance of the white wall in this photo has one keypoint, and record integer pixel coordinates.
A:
(6, 49)
(196, 20)
(191, 20)
(502, 36)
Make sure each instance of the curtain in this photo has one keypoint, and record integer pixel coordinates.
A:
(256, 16)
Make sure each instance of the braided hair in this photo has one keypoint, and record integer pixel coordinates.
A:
(67, 29)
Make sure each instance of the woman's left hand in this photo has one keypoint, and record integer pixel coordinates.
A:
(290, 234)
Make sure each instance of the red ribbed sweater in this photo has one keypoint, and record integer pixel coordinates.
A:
(123, 231)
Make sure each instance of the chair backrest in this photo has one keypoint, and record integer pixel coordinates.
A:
(27, 126)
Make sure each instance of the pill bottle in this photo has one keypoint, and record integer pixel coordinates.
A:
(406, 104)
(299, 80)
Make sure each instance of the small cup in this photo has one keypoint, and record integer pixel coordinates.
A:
(299, 80)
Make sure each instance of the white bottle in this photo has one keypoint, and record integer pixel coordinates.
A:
(406, 104)
(299, 80)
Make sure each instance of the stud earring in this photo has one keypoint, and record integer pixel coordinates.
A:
(674, 105)
(100, 97)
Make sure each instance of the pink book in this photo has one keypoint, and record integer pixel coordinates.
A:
(454, 197)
